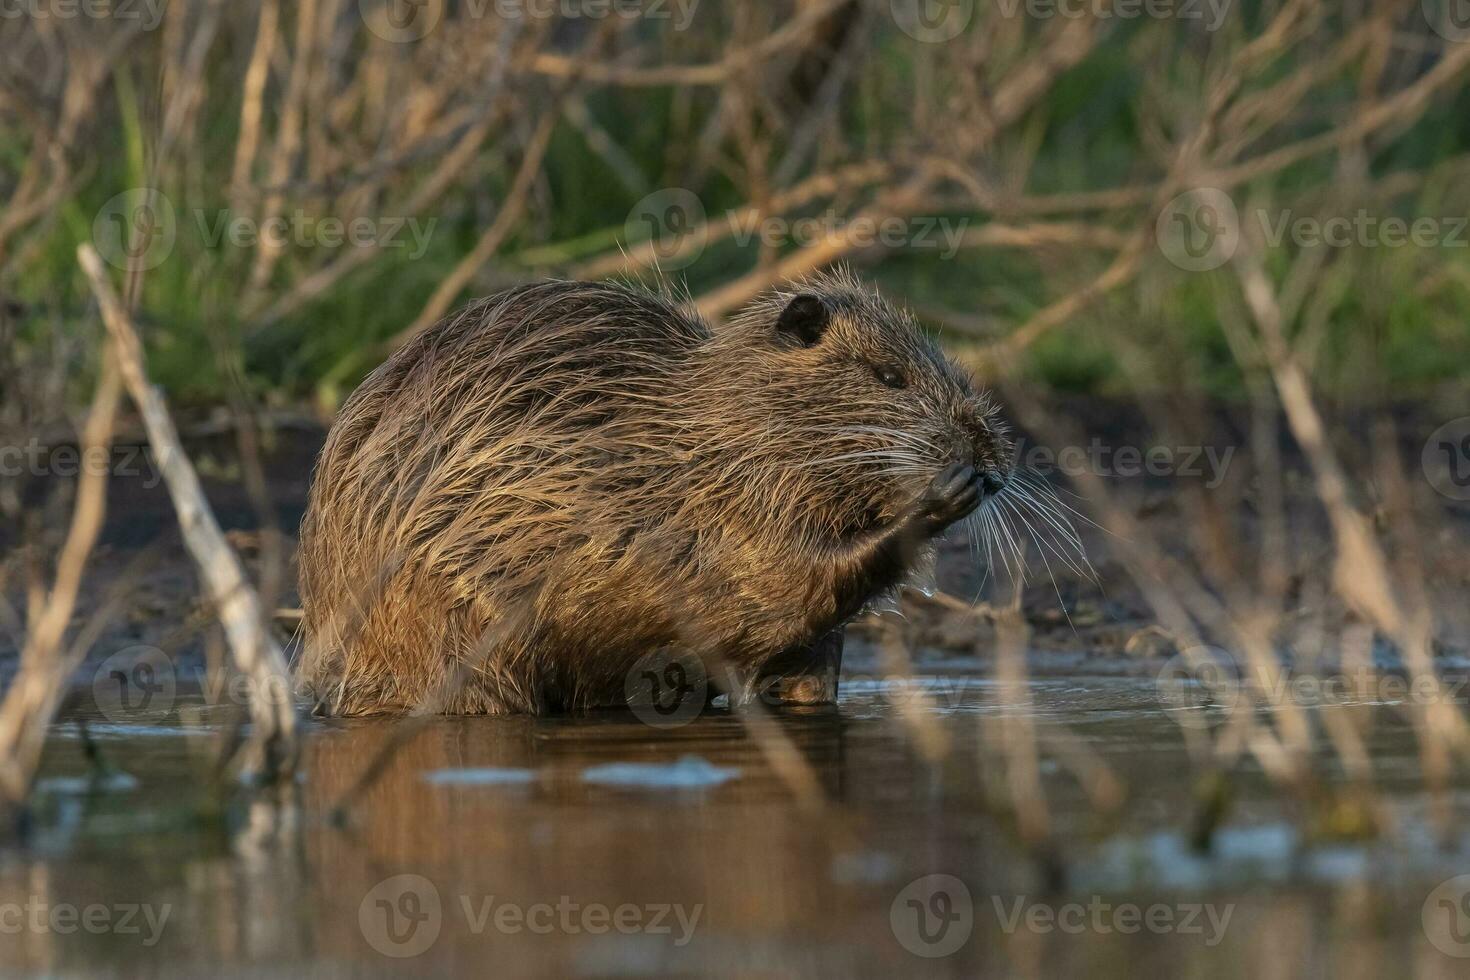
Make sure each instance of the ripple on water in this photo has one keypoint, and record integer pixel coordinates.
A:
(690, 772)
(488, 776)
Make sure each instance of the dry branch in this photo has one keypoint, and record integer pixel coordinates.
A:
(45, 668)
(271, 750)
(717, 73)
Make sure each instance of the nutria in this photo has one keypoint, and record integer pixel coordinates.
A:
(559, 479)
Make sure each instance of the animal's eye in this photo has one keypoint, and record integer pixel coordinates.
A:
(889, 375)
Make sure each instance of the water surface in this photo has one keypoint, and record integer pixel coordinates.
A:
(600, 846)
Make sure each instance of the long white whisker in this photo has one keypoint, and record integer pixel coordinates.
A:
(1035, 481)
(1050, 516)
(1018, 574)
(1045, 563)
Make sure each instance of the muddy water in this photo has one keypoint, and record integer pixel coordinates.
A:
(602, 846)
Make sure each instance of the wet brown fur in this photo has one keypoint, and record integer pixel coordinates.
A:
(558, 479)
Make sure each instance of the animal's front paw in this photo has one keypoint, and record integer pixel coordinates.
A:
(954, 494)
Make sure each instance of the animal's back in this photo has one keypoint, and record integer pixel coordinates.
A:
(457, 477)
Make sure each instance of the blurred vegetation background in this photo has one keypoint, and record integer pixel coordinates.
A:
(483, 143)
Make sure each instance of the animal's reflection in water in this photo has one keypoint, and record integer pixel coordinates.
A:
(504, 807)
(520, 845)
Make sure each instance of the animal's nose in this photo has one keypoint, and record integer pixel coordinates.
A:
(993, 480)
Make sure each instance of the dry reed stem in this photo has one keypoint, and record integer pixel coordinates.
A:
(830, 248)
(271, 751)
(511, 211)
(717, 73)
(31, 702)
(846, 179)
(917, 710)
(288, 139)
(1014, 731)
(252, 104)
(1361, 573)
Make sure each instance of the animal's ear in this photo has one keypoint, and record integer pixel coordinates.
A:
(805, 318)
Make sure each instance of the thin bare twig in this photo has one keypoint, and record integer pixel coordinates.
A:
(271, 751)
